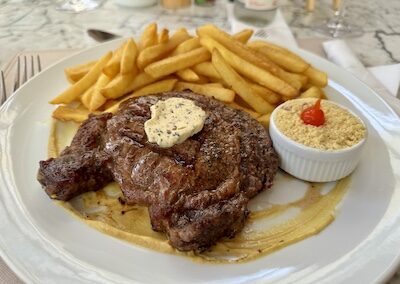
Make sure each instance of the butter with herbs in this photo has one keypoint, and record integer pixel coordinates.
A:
(173, 121)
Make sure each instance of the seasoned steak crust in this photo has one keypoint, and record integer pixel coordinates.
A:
(82, 166)
(197, 191)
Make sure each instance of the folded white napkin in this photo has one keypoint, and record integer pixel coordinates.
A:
(277, 31)
(382, 79)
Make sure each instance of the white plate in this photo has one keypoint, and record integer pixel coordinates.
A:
(43, 243)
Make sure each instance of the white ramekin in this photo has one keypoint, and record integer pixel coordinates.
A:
(313, 164)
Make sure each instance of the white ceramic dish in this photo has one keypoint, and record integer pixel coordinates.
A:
(42, 243)
(313, 164)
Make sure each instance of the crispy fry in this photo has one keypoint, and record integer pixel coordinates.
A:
(75, 73)
(218, 93)
(108, 104)
(214, 85)
(97, 98)
(266, 94)
(206, 69)
(316, 77)
(250, 70)
(243, 51)
(77, 89)
(281, 56)
(175, 63)
(118, 86)
(186, 46)
(156, 52)
(86, 98)
(149, 36)
(157, 87)
(294, 79)
(128, 59)
(66, 113)
(264, 120)
(188, 75)
(164, 36)
(243, 36)
(239, 85)
(113, 66)
(313, 92)
(202, 80)
(140, 81)
(252, 113)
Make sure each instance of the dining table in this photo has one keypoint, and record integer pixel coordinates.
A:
(37, 27)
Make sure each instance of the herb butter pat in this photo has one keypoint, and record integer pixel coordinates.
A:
(173, 121)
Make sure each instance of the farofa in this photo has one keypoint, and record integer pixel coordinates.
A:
(340, 130)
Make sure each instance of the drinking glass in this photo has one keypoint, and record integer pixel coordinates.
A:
(338, 26)
(76, 6)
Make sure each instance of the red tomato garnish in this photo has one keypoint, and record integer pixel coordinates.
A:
(313, 115)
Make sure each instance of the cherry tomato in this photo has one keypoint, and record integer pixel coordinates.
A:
(313, 115)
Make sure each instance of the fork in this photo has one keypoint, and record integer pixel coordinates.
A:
(18, 82)
(21, 75)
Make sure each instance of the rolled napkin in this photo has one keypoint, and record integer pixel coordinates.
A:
(339, 52)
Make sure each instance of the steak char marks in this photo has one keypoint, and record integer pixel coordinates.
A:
(197, 191)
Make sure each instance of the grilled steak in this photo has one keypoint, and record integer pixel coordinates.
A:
(80, 167)
(197, 191)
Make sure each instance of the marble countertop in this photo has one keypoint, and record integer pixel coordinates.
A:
(37, 25)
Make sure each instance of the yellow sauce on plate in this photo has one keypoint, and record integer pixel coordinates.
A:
(266, 230)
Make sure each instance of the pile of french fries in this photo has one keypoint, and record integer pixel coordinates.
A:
(252, 76)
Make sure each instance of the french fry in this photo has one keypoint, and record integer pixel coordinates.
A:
(294, 79)
(149, 36)
(118, 86)
(188, 75)
(128, 59)
(186, 46)
(214, 85)
(66, 113)
(141, 80)
(206, 69)
(156, 52)
(87, 97)
(281, 56)
(266, 94)
(316, 77)
(239, 85)
(178, 62)
(202, 80)
(108, 104)
(157, 87)
(114, 65)
(243, 36)
(164, 36)
(250, 70)
(252, 113)
(75, 73)
(243, 51)
(264, 120)
(312, 92)
(219, 93)
(77, 89)
(97, 98)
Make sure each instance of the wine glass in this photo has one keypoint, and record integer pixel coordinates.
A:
(337, 26)
(76, 6)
